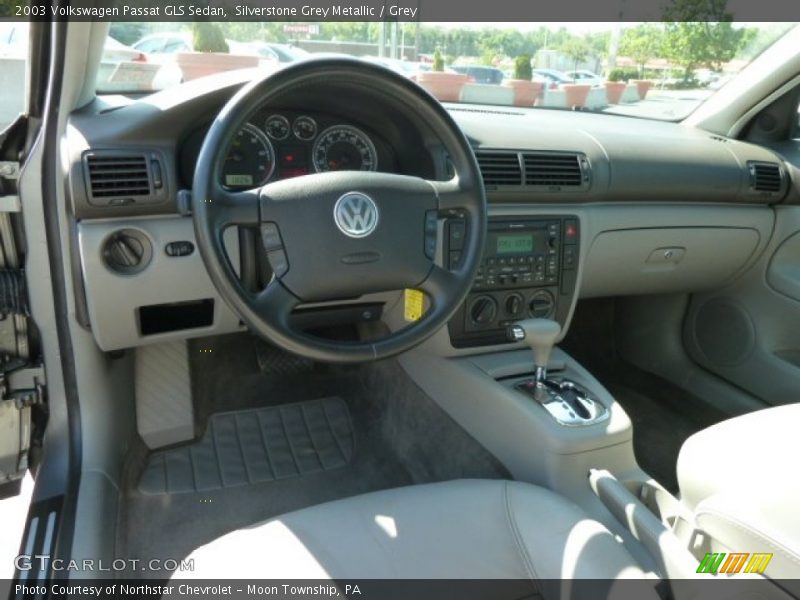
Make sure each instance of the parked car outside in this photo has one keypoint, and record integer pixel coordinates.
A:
(165, 43)
(285, 53)
(480, 73)
(584, 76)
(552, 76)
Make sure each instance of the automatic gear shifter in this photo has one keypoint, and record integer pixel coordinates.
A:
(566, 401)
(540, 335)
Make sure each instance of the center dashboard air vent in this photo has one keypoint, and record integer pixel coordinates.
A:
(500, 168)
(119, 178)
(766, 178)
(510, 170)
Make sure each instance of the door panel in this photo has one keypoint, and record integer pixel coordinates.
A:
(749, 332)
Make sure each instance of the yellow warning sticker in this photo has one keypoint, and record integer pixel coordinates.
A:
(414, 304)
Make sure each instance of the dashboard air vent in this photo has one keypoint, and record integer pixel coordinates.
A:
(118, 175)
(500, 168)
(765, 177)
(552, 169)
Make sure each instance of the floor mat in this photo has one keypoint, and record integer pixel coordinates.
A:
(663, 414)
(253, 446)
(400, 437)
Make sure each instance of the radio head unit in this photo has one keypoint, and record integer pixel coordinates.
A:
(528, 269)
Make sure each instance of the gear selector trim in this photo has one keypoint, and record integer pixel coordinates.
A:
(567, 402)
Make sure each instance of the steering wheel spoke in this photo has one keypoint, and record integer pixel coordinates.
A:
(275, 302)
(451, 196)
(439, 284)
(227, 208)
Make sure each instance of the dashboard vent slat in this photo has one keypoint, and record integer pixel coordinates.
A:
(765, 177)
(552, 169)
(500, 168)
(534, 171)
(115, 176)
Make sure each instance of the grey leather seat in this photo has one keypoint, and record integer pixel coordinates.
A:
(464, 529)
(741, 480)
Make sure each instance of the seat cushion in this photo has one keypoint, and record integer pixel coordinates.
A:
(465, 529)
(757, 450)
(741, 478)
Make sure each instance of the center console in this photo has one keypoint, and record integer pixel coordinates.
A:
(528, 269)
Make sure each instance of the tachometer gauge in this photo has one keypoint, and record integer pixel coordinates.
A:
(304, 128)
(277, 127)
(250, 160)
(344, 148)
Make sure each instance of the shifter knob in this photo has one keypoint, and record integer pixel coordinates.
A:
(540, 335)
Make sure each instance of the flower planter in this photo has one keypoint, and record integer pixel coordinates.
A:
(199, 64)
(445, 87)
(642, 86)
(525, 92)
(614, 91)
(576, 94)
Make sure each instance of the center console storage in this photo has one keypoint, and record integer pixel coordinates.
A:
(528, 269)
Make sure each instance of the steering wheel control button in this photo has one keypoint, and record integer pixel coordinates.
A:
(278, 262)
(431, 221)
(431, 229)
(182, 248)
(356, 215)
(271, 237)
(458, 231)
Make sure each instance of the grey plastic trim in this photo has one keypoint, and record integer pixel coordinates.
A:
(113, 298)
(766, 296)
(674, 558)
(666, 259)
(514, 427)
(784, 269)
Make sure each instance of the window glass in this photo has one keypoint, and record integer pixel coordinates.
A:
(13, 59)
(648, 70)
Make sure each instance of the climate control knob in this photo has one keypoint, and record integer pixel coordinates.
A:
(513, 304)
(542, 304)
(483, 310)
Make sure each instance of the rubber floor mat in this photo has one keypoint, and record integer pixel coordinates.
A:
(253, 446)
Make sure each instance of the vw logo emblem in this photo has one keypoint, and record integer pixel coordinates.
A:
(356, 215)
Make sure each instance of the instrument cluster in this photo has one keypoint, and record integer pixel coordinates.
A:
(280, 145)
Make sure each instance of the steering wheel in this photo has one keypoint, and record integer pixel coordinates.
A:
(340, 234)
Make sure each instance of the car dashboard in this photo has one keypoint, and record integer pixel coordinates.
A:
(606, 205)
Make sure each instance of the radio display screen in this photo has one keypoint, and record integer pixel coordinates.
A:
(521, 243)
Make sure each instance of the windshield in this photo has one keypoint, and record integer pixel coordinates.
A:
(650, 70)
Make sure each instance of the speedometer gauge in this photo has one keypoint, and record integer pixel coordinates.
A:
(344, 148)
(250, 160)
